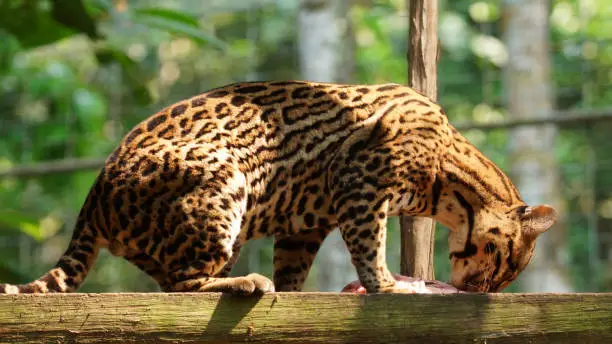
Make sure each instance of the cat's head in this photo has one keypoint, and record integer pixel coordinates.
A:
(491, 247)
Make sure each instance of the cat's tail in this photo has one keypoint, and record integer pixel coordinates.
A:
(72, 267)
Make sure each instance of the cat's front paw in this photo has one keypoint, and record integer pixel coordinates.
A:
(251, 284)
(261, 284)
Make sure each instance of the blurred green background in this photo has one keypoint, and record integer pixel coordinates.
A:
(75, 75)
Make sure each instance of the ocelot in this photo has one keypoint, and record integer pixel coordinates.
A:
(191, 184)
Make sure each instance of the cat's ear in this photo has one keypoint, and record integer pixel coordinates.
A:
(537, 220)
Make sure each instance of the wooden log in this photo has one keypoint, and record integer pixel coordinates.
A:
(306, 318)
(417, 234)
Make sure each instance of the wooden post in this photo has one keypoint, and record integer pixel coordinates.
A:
(417, 233)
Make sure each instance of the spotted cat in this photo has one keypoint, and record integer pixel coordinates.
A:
(191, 184)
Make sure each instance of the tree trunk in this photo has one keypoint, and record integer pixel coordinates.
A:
(533, 164)
(326, 46)
(417, 233)
(327, 55)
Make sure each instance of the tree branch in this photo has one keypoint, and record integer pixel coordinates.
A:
(52, 167)
(569, 118)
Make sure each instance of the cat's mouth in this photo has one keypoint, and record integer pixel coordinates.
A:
(475, 283)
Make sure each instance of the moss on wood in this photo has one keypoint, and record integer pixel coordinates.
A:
(306, 318)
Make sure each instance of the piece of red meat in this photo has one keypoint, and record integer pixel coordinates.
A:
(434, 287)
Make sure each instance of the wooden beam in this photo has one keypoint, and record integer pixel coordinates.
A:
(306, 318)
(417, 233)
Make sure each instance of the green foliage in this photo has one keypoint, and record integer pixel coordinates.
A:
(36, 23)
(177, 22)
(21, 223)
(55, 93)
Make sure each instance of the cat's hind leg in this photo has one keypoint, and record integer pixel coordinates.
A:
(204, 245)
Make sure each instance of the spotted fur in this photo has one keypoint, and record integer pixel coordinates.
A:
(191, 184)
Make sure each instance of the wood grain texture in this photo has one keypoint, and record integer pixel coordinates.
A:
(417, 234)
(306, 318)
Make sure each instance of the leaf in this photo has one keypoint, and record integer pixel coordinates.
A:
(168, 14)
(10, 274)
(89, 105)
(46, 22)
(21, 223)
(41, 31)
(73, 14)
(8, 49)
(133, 74)
(177, 23)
